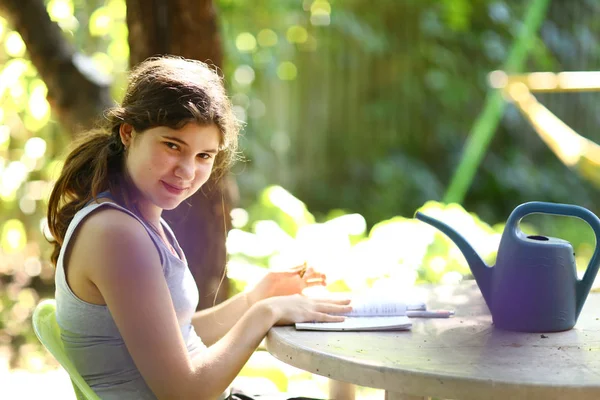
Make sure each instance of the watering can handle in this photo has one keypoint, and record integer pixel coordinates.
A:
(538, 207)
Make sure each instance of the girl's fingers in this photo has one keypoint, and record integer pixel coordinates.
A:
(315, 282)
(312, 277)
(322, 317)
(333, 309)
(341, 302)
(310, 271)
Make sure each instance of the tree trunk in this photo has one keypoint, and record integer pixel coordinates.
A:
(77, 92)
(188, 28)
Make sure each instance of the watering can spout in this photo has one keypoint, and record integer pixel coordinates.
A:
(481, 271)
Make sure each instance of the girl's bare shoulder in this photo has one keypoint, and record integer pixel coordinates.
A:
(108, 246)
(113, 237)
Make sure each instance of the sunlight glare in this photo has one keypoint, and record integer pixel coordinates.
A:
(244, 75)
(438, 264)
(11, 73)
(320, 19)
(320, 13)
(247, 243)
(4, 136)
(14, 45)
(117, 8)
(60, 9)
(267, 38)
(519, 92)
(245, 42)
(38, 190)
(28, 162)
(32, 266)
(401, 239)
(451, 278)
(239, 217)
(27, 205)
(38, 105)
(320, 6)
(12, 178)
(13, 236)
(349, 224)
(118, 49)
(579, 79)
(296, 34)
(497, 79)
(542, 80)
(558, 136)
(103, 62)
(286, 71)
(324, 247)
(100, 22)
(287, 203)
(45, 229)
(269, 231)
(28, 297)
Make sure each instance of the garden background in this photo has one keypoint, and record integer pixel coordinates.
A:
(356, 115)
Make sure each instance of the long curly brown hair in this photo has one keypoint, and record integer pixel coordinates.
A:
(162, 91)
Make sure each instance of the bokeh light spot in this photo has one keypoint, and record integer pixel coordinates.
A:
(60, 9)
(296, 34)
(35, 147)
(267, 38)
(14, 45)
(287, 71)
(245, 42)
(13, 236)
(244, 75)
(100, 22)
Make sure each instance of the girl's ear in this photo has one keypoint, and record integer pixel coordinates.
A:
(126, 133)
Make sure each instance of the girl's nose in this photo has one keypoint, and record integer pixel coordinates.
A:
(185, 169)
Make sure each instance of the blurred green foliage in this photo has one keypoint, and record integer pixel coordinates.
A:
(395, 253)
(358, 108)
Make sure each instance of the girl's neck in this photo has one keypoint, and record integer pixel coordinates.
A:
(151, 214)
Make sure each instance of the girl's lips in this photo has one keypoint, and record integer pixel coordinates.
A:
(172, 189)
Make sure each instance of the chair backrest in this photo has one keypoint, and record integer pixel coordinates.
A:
(48, 332)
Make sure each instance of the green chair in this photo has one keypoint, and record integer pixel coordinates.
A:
(47, 330)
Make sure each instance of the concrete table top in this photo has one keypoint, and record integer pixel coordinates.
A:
(463, 357)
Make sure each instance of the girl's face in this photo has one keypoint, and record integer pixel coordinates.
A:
(169, 165)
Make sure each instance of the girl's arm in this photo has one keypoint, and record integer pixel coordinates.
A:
(213, 323)
(130, 278)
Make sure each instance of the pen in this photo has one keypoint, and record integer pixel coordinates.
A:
(430, 314)
(303, 270)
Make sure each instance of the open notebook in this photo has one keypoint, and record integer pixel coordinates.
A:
(370, 314)
(388, 323)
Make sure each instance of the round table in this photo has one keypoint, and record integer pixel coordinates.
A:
(463, 357)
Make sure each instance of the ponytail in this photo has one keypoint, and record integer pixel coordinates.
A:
(94, 165)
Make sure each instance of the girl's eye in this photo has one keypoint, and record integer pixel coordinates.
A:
(204, 156)
(172, 145)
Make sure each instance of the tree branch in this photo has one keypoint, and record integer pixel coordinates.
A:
(76, 90)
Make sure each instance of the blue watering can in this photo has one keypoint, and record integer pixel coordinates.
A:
(533, 287)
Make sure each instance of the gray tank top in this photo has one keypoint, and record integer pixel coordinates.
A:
(90, 335)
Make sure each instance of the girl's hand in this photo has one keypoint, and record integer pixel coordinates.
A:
(298, 308)
(287, 282)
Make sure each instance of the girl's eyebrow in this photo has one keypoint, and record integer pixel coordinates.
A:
(177, 140)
